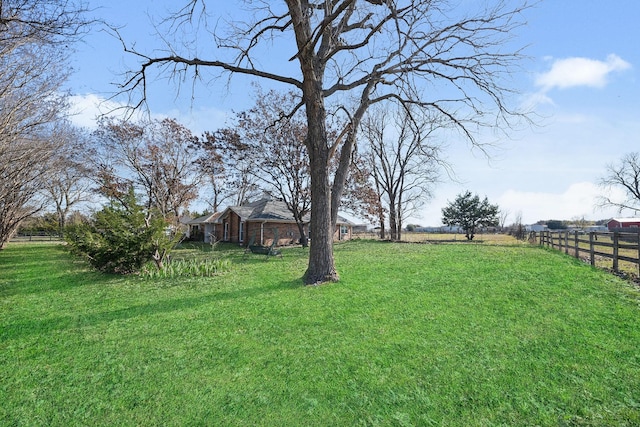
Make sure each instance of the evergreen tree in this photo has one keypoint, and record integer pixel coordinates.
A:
(468, 212)
(123, 237)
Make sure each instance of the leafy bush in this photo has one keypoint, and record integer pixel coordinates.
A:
(122, 237)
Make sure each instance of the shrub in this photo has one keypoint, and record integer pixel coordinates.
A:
(122, 237)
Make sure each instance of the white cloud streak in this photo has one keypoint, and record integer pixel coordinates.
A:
(578, 200)
(86, 109)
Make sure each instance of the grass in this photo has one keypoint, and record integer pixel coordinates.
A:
(456, 335)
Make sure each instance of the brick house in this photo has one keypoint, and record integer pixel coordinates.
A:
(257, 221)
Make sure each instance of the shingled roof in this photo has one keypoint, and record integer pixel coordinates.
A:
(261, 210)
(265, 210)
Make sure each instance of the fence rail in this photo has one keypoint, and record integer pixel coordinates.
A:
(593, 246)
(36, 237)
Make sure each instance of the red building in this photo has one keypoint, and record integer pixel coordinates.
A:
(615, 224)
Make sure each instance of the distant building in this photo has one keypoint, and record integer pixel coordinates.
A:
(615, 224)
(536, 227)
(258, 222)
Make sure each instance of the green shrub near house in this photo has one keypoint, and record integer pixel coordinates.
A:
(456, 335)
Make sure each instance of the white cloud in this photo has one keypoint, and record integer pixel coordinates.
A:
(578, 200)
(86, 109)
(573, 72)
(201, 119)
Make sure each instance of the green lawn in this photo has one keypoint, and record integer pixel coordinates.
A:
(454, 335)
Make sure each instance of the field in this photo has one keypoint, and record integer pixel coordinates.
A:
(413, 334)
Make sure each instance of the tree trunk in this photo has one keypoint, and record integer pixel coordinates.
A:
(393, 227)
(304, 241)
(321, 263)
(399, 215)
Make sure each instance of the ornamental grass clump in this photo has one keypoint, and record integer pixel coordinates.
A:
(186, 268)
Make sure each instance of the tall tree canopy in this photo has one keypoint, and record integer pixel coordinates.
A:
(430, 55)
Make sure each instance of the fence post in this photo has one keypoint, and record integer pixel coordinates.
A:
(575, 244)
(566, 242)
(615, 251)
(591, 249)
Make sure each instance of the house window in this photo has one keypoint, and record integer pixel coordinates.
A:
(344, 230)
(241, 232)
(226, 231)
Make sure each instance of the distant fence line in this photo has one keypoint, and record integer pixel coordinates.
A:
(36, 237)
(616, 246)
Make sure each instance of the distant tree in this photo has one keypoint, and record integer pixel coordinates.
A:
(503, 214)
(469, 212)
(70, 185)
(625, 176)
(360, 196)
(556, 224)
(403, 161)
(46, 223)
(152, 157)
(35, 44)
(580, 222)
(222, 160)
(517, 229)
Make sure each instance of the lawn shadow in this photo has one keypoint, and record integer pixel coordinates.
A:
(22, 329)
(40, 270)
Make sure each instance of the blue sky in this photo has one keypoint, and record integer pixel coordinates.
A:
(581, 76)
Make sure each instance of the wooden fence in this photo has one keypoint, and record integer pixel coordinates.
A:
(595, 246)
(36, 237)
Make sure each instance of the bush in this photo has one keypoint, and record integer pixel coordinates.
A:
(122, 237)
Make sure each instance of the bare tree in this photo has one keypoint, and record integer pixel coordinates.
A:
(517, 229)
(224, 160)
(360, 196)
(354, 53)
(155, 158)
(210, 159)
(33, 68)
(503, 214)
(41, 22)
(71, 184)
(404, 163)
(273, 143)
(626, 176)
